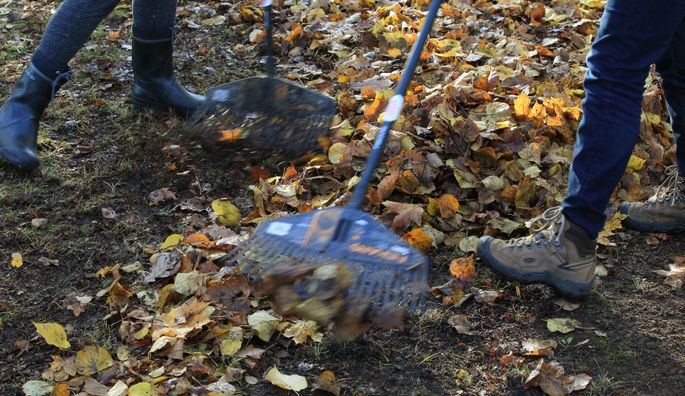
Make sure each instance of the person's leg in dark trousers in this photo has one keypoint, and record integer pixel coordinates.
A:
(67, 31)
(665, 211)
(634, 34)
(671, 68)
(153, 44)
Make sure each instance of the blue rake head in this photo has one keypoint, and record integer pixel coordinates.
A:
(263, 113)
(384, 271)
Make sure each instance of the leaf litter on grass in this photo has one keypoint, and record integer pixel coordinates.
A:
(483, 144)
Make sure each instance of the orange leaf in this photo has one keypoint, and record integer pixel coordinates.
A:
(418, 239)
(290, 173)
(463, 268)
(522, 106)
(258, 173)
(199, 239)
(447, 206)
(544, 52)
(373, 110)
(229, 135)
(60, 390)
(368, 93)
(297, 32)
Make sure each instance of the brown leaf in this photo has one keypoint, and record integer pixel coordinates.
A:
(406, 214)
(446, 206)
(327, 383)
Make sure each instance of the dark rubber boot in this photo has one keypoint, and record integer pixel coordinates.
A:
(20, 116)
(154, 83)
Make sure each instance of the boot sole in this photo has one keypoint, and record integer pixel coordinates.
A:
(649, 227)
(569, 289)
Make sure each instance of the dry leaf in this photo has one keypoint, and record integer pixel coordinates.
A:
(406, 214)
(461, 324)
(142, 389)
(562, 325)
(17, 261)
(288, 382)
(61, 390)
(93, 359)
(37, 388)
(231, 342)
(610, 226)
(328, 383)
(302, 330)
(418, 239)
(171, 241)
(264, 324)
(53, 333)
(227, 213)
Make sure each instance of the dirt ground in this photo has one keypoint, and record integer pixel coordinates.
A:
(98, 152)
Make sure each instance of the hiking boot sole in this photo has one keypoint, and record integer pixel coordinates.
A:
(567, 288)
(676, 226)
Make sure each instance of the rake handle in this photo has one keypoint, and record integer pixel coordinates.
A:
(268, 25)
(393, 110)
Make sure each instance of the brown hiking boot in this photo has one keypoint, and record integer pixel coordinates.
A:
(558, 253)
(664, 211)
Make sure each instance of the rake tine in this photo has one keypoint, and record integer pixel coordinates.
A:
(266, 256)
(240, 251)
(250, 261)
(268, 264)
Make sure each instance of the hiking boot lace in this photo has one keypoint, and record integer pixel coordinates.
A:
(543, 229)
(671, 187)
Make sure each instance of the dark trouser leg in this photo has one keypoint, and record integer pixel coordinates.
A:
(671, 67)
(154, 19)
(633, 35)
(155, 84)
(67, 31)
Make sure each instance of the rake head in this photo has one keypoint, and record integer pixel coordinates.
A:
(265, 113)
(340, 256)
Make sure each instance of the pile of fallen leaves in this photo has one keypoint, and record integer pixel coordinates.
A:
(484, 143)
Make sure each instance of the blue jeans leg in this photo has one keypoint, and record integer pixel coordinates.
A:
(671, 68)
(633, 35)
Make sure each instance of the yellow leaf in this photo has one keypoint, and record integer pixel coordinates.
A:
(522, 106)
(264, 324)
(227, 213)
(394, 52)
(636, 163)
(610, 226)
(93, 359)
(303, 330)
(142, 389)
(53, 333)
(17, 260)
(171, 241)
(288, 382)
(232, 342)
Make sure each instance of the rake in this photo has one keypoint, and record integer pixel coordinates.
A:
(263, 113)
(342, 251)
